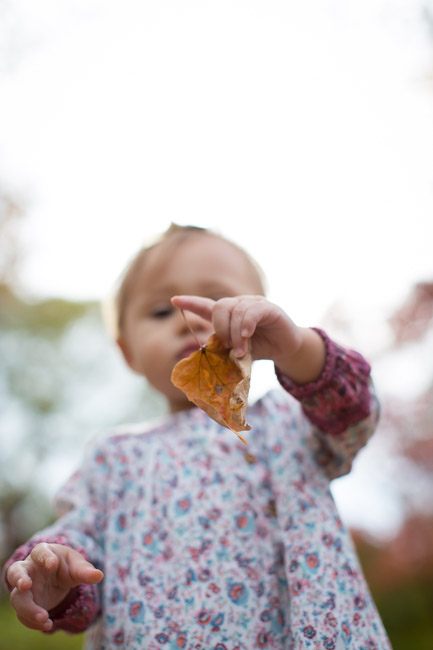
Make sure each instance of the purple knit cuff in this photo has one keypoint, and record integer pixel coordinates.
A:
(340, 397)
(77, 611)
(79, 608)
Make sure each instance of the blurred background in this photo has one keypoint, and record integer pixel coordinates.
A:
(301, 130)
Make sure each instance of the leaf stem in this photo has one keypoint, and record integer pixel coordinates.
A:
(191, 330)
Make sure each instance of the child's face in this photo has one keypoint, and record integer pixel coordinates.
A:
(155, 335)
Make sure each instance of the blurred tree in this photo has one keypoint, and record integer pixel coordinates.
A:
(400, 571)
(414, 318)
(403, 374)
(400, 575)
(410, 421)
(10, 214)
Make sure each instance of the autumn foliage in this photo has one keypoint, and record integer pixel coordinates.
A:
(214, 379)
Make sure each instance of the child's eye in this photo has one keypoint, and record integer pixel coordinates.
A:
(217, 296)
(163, 311)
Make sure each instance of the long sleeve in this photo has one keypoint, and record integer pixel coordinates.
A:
(80, 506)
(341, 405)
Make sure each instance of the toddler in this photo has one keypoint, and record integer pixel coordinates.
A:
(177, 535)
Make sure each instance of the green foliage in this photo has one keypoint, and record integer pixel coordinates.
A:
(403, 599)
(15, 636)
(50, 317)
(407, 614)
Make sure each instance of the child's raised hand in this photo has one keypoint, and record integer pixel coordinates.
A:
(41, 581)
(299, 352)
(235, 320)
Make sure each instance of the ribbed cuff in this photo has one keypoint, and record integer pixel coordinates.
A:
(340, 397)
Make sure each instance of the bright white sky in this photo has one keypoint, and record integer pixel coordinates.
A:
(301, 129)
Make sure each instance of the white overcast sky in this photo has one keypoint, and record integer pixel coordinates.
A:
(303, 130)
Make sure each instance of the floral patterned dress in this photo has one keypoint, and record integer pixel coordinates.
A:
(209, 544)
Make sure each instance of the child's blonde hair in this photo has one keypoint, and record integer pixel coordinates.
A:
(113, 309)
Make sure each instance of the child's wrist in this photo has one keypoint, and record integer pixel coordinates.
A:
(306, 364)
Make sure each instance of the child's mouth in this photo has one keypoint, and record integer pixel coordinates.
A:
(188, 349)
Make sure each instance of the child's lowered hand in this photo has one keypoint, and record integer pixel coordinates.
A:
(298, 352)
(41, 581)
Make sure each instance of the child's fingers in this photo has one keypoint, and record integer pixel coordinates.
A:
(28, 612)
(201, 306)
(221, 319)
(36, 625)
(244, 319)
(45, 627)
(39, 622)
(73, 568)
(252, 316)
(18, 577)
(229, 321)
(238, 342)
(44, 557)
(82, 571)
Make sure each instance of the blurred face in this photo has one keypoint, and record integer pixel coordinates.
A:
(154, 334)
